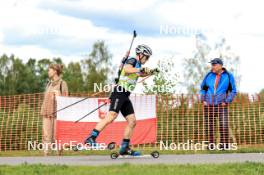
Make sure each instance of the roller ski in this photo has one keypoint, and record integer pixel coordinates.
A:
(133, 154)
(126, 152)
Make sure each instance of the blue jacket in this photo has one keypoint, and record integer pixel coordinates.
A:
(221, 95)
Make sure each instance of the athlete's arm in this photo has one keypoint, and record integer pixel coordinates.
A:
(144, 75)
(129, 69)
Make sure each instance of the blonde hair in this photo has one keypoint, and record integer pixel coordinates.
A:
(57, 67)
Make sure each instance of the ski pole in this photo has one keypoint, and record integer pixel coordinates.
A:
(91, 112)
(126, 57)
(75, 103)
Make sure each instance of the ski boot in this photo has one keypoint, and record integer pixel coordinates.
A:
(128, 151)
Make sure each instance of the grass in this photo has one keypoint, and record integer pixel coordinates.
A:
(128, 169)
(246, 149)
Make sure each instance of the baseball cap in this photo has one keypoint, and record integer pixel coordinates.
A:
(216, 61)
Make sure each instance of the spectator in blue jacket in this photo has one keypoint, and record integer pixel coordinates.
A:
(218, 89)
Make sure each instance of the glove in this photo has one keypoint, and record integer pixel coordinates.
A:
(145, 70)
(156, 70)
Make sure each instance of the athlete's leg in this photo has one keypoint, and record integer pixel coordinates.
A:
(115, 106)
(131, 123)
(128, 112)
(111, 116)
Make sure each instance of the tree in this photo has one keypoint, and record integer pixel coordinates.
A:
(74, 77)
(197, 67)
(97, 66)
(42, 73)
(231, 60)
(17, 77)
(33, 77)
(21, 78)
(261, 92)
(5, 66)
(164, 82)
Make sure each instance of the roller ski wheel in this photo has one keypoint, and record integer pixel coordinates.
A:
(111, 146)
(114, 155)
(155, 154)
(77, 148)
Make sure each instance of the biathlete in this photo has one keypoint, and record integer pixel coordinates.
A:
(119, 98)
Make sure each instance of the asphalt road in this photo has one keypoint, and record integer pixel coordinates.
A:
(163, 159)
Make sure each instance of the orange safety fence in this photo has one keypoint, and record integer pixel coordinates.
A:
(183, 117)
(180, 118)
